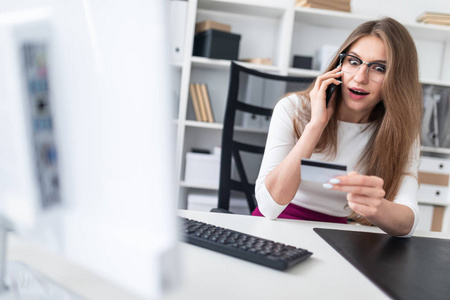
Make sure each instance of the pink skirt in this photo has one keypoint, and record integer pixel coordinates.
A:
(296, 212)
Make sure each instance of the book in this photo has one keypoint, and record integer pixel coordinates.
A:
(434, 18)
(329, 2)
(326, 4)
(340, 8)
(438, 22)
(208, 24)
(201, 102)
(195, 102)
(258, 60)
(207, 101)
(432, 15)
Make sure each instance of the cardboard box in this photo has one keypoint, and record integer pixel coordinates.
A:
(208, 24)
(258, 60)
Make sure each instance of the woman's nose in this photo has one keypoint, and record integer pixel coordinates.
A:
(362, 74)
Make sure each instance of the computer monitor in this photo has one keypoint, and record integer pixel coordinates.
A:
(86, 136)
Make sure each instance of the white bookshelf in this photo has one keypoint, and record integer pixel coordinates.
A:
(277, 30)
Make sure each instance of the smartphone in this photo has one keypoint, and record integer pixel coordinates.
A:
(329, 92)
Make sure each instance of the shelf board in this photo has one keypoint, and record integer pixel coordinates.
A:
(435, 150)
(223, 64)
(434, 82)
(199, 186)
(303, 72)
(429, 31)
(210, 63)
(207, 125)
(219, 126)
(268, 68)
(435, 203)
(273, 9)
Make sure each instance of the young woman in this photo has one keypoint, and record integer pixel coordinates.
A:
(372, 125)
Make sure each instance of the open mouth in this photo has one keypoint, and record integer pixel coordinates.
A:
(359, 92)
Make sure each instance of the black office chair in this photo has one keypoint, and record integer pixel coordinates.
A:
(252, 96)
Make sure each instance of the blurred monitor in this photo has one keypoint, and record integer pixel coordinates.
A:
(86, 139)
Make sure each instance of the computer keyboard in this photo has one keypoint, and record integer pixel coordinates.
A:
(244, 246)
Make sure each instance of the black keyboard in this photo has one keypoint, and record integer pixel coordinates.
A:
(251, 248)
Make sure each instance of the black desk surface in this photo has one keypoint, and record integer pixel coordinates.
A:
(414, 268)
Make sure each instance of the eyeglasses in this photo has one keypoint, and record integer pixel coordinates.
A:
(351, 64)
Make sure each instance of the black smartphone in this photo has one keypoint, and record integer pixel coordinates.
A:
(329, 92)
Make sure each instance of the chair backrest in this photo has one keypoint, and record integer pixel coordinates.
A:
(252, 96)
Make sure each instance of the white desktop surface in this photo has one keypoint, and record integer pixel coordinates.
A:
(209, 275)
(325, 275)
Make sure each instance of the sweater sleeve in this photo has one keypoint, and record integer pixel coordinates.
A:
(280, 141)
(407, 194)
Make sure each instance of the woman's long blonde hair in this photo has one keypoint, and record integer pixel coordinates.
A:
(396, 119)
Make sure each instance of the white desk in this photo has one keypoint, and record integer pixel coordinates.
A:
(325, 275)
(210, 275)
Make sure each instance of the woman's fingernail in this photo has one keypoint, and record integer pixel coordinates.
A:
(327, 186)
(334, 181)
(339, 72)
(339, 81)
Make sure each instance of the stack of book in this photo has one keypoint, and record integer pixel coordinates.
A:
(201, 102)
(341, 5)
(434, 18)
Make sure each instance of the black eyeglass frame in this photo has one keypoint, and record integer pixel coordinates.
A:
(369, 64)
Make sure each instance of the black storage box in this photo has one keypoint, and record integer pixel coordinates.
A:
(217, 44)
(302, 62)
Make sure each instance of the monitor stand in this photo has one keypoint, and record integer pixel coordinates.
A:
(18, 281)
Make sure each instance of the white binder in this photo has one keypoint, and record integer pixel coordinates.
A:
(178, 15)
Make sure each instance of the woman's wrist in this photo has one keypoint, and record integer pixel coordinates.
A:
(395, 219)
(314, 128)
(308, 140)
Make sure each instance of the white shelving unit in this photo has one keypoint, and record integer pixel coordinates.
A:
(277, 30)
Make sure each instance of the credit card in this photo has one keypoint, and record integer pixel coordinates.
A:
(312, 170)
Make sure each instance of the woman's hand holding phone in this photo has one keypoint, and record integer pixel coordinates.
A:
(321, 112)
